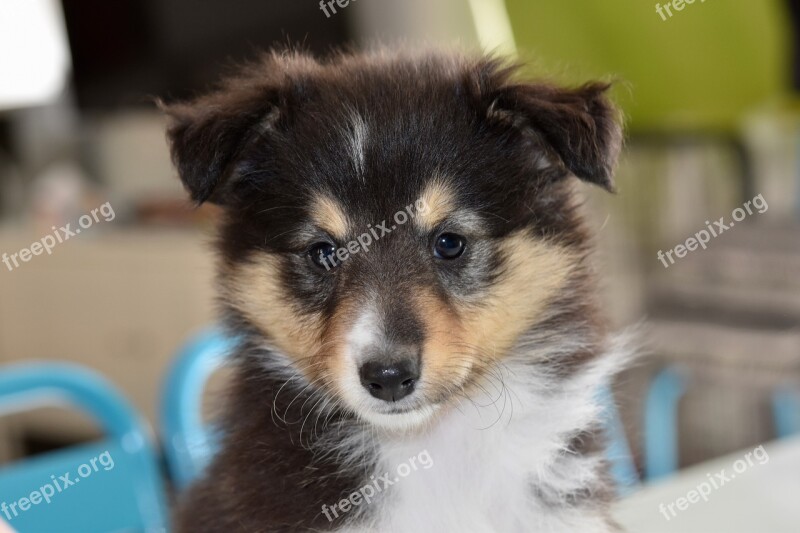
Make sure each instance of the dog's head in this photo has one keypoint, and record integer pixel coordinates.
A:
(395, 226)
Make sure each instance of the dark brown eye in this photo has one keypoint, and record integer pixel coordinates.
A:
(322, 255)
(449, 246)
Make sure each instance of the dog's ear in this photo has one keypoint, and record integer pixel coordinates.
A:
(581, 127)
(208, 135)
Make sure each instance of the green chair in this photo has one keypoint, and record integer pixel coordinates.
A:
(689, 79)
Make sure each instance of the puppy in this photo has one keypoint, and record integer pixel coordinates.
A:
(402, 257)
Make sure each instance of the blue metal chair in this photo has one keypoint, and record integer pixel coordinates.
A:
(109, 485)
(661, 423)
(661, 420)
(786, 412)
(189, 443)
(618, 452)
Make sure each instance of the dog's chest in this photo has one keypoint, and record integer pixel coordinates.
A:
(488, 470)
(479, 480)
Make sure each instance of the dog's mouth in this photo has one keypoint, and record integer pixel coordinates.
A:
(407, 414)
(399, 410)
(415, 407)
(400, 418)
(415, 403)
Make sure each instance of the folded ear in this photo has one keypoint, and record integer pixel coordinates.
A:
(207, 136)
(581, 126)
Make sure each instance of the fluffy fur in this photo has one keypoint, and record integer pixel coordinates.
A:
(510, 345)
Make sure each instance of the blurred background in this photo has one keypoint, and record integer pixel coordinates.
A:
(710, 94)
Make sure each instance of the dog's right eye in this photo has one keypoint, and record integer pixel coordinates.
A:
(449, 246)
(322, 254)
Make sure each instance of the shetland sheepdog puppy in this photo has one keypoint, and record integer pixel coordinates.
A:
(402, 257)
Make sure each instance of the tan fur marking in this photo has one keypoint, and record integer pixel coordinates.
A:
(444, 359)
(256, 290)
(535, 271)
(329, 215)
(439, 202)
(332, 355)
(468, 340)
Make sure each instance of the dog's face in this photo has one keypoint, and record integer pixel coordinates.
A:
(394, 226)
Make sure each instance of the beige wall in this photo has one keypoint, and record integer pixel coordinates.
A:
(120, 302)
(415, 22)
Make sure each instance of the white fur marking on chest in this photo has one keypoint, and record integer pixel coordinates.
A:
(488, 455)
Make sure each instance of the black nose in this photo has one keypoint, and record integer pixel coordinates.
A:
(390, 381)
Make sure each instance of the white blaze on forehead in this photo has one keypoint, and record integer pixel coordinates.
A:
(357, 139)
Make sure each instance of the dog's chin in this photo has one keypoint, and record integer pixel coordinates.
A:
(399, 420)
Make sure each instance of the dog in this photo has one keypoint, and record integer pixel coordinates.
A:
(402, 257)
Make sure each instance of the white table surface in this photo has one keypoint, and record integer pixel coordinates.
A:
(765, 498)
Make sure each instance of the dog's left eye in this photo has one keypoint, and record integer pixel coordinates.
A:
(321, 255)
(449, 246)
